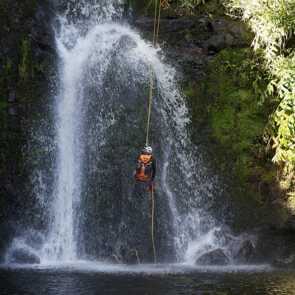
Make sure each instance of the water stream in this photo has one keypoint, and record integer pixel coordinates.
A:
(100, 110)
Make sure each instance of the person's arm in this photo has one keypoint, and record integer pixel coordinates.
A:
(137, 166)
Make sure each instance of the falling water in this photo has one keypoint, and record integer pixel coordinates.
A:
(74, 51)
(104, 73)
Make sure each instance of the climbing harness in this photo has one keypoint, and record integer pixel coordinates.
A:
(157, 19)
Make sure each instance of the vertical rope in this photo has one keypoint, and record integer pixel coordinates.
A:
(158, 25)
(153, 225)
(155, 22)
(150, 101)
(151, 89)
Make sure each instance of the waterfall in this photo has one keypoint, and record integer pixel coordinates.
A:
(100, 116)
(74, 51)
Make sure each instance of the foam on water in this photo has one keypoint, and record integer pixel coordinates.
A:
(147, 269)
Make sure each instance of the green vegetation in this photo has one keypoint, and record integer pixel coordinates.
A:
(237, 116)
(25, 63)
(17, 65)
(231, 101)
(273, 25)
(231, 111)
(5, 77)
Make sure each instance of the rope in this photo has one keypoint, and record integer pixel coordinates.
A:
(150, 102)
(153, 227)
(148, 125)
(157, 20)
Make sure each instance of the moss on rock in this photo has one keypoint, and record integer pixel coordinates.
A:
(234, 110)
(230, 111)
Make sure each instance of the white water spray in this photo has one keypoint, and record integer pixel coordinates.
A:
(87, 40)
(75, 52)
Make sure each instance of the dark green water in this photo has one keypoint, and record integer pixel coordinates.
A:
(88, 281)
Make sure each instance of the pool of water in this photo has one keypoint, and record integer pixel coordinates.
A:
(96, 278)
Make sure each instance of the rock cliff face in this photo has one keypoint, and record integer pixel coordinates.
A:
(225, 86)
(26, 66)
(219, 77)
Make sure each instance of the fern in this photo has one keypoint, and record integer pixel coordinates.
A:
(273, 23)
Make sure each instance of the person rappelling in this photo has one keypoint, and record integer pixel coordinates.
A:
(146, 167)
(146, 163)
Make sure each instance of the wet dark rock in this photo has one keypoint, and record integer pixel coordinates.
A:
(125, 255)
(216, 43)
(190, 42)
(34, 239)
(237, 30)
(274, 243)
(215, 257)
(289, 225)
(130, 257)
(227, 34)
(42, 33)
(23, 256)
(27, 66)
(126, 43)
(12, 111)
(12, 96)
(246, 253)
(288, 261)
(167, 25)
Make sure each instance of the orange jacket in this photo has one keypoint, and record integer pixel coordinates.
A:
(146, 168)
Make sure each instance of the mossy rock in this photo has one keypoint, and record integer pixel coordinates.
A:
(236, 115)
(230, 112)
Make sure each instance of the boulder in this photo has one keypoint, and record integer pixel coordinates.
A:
(126, 43)
(34, 239)
(246, 253)
(215, 257)
(129, 257)
(289, 224)
(23, 256)
(114, 259)
(12, 96)
(132, 258)
(288, 261)
(12, 111)
(216, 43)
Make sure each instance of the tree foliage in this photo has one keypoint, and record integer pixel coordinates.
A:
(273, 23)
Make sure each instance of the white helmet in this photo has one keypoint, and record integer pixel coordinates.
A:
(148, 150)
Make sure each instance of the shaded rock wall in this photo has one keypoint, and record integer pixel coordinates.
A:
(26, 67)
(225, 84)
